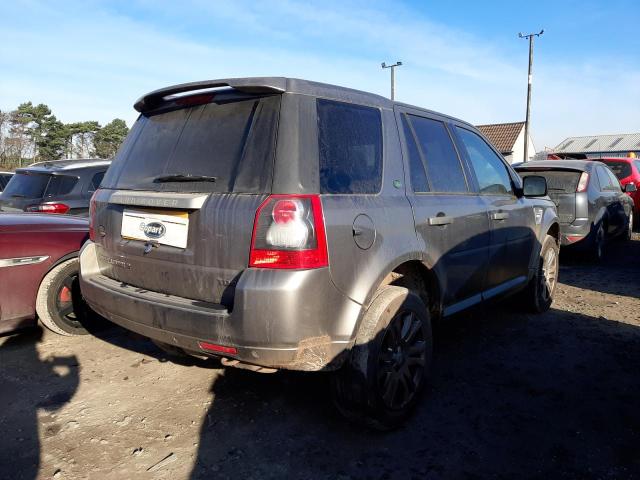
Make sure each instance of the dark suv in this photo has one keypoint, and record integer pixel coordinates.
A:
(286, 224)
(59, 186)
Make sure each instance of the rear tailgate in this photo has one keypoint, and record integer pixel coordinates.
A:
(25, 188)
(566, 205)
(177, 211)
(562, 185)
(218, 238)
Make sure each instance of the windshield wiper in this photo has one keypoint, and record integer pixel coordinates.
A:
(184, 178)
(18, 195)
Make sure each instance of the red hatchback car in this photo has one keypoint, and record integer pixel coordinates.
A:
(39, 272)
(628, 171)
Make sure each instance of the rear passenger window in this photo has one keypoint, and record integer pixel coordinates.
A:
(416, 167)
(444, 171)
(606, 180)
(95, 182)
(350, 148)
(613, 181)
(491, 173)
(60, 185)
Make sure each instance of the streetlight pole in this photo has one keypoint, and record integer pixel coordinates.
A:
(393, 77)
(529, 79)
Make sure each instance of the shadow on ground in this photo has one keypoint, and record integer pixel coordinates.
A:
(616, 274)
(512, 395)
(20, 367)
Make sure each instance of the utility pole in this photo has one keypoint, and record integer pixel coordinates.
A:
(529, 78)
(393, 77)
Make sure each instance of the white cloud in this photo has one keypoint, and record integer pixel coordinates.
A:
(91, 60)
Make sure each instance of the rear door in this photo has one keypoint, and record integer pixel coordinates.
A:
(609, 191)
(561, 186)
(617, 207)
(450, 218)
(511, 217)
(176, 208)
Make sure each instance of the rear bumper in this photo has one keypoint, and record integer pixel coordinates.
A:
(294, 320)
(575, 232)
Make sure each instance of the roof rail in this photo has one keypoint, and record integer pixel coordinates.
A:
(249, 85)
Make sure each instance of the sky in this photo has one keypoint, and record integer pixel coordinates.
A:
(90, 60)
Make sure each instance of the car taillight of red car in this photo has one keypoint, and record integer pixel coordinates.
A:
(288, 232)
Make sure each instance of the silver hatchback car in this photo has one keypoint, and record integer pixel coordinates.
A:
(286, 224)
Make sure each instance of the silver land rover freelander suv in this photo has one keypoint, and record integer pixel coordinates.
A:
(286, 224)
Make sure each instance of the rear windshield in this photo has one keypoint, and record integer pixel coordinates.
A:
(558, 181)
(228, 143)
(60, 185)
(27, 185)
(621, 169)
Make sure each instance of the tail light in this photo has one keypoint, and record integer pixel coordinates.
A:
(583, 183)
(288, 232)
(59, 208)
(92, 216)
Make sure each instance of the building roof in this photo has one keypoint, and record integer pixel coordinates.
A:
(502, 135)
(600, 143)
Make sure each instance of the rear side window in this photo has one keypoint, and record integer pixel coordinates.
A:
(491, 173)
(607, 180)
(443, 169)
(4, 179)
(620, 169)
(350, 148)
(229, 143)
(95, 182)
(558, 181)
(27, 185)
(60, 185)
(637, 164)
(613, 181)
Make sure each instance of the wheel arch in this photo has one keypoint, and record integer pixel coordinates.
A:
(409, 271)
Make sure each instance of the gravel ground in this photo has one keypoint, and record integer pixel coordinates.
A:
(511, 395)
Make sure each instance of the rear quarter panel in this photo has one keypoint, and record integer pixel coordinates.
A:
(19, 284)
(355, 271)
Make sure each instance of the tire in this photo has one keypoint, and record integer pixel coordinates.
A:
(598, 243)
(538, 295)
(59, 304)
(381, 381)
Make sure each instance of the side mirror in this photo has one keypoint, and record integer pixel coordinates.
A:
(630, 187)
(534, 186)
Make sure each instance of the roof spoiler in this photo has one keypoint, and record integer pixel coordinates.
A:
(248, 85)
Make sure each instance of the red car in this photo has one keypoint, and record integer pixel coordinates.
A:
(39, 272)
(628, 171)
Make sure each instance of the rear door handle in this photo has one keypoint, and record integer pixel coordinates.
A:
(499, 215)
(440, 220)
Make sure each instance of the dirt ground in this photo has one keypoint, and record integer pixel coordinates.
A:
(511, 395)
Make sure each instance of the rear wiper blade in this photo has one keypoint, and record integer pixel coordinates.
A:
(18, 195)
(184, 178)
